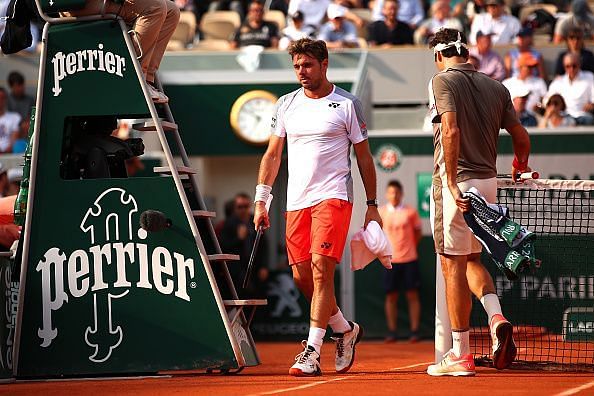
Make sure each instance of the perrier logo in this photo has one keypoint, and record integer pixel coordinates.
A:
(86, 60)
(109, 268)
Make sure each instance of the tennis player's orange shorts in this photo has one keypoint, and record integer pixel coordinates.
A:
(319, 229)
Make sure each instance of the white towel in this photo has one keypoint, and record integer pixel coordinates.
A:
(368, 244)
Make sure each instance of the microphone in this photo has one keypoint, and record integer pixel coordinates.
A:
(154, 221)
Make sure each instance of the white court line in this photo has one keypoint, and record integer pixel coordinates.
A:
(312, 384)
(577, 389)
(412, 366)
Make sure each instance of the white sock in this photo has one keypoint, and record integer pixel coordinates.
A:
(491, 304)
(461, 342)
(316, 338)
(338, 323)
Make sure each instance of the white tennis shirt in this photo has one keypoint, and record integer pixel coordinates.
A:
(319, 134)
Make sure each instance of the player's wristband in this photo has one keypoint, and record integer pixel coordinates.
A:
(262, 193)
(519, 165)
(372, 202)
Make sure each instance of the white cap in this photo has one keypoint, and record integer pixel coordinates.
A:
(519, 92)
(336, 11)
(15, 174)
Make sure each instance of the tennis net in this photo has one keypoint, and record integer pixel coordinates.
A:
(552, 304)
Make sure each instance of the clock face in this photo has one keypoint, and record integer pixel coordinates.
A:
(251, 116)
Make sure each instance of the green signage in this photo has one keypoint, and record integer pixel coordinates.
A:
(102, 295)
(423, 193)
(578, 324)
(8, 309)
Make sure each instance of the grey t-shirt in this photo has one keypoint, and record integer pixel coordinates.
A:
(483, 106)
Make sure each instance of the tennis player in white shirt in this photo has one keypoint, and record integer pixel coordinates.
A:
(319, 122)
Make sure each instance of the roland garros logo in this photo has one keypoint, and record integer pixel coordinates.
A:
(65, 278)
(86, 60)
(388, 157)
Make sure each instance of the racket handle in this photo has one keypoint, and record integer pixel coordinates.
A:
(527, 175)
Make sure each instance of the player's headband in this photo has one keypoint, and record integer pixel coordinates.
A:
(458, 44)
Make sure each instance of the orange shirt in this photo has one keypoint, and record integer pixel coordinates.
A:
(400, 224)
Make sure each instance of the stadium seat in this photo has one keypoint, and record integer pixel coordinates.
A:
(184, 32)
(212, 45)
(277, 17)
(219, 25)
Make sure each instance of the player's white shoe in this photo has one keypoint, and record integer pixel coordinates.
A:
(504, 347)
(453, 365)
(307, 363)
(345, 347)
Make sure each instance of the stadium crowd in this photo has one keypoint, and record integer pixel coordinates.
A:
(563, 99)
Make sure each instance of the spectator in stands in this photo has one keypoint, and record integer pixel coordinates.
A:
(255, 30)
(237, 237)
(295, 31)
(9, 124)
(575, 44)
(389, 31)
(337, 32)
(519, 96)
(409, 11)
(314, 11)
(440, 11)
(279, 5)
(577, 88)
(536, 86)
(154, 22)
(524, 41)
(18, 100)
(503, 26)
(490, 62)
(555, 115)
(20, 139)
(579, 17)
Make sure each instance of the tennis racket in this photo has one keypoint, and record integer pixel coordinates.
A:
(260, 231)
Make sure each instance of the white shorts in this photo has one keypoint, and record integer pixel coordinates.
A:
(450, 232)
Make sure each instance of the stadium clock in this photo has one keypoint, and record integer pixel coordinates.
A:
(251, 116)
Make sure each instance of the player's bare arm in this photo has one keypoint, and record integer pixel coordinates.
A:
(521, 144)
(269, 167)
(451, 151)
(367, 170)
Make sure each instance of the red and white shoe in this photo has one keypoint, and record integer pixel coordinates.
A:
(307, 363)
(453, 365)
(504, 347)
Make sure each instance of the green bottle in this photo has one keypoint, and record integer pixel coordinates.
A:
(20, 205)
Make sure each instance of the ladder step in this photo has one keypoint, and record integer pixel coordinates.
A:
(182, 170)
(243, 303)
(223, 257)
(149, 126)
(203, 213)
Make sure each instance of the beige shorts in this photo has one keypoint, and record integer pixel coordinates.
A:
(450, 232)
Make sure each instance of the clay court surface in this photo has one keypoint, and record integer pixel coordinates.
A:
(380, 369)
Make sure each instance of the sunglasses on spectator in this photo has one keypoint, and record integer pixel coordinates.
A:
(574, 37)
(571, 66)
